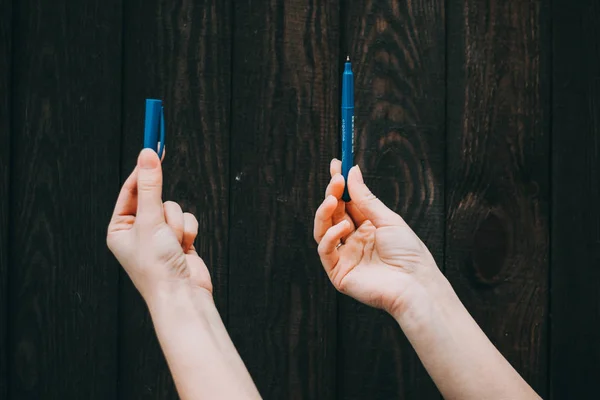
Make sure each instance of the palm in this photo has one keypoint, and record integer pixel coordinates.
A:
(199, 275)
(368, 251)
(177, 244)
(374, 259)
(168, 245)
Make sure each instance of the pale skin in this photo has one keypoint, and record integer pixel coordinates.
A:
(372, 255)
(368, 252)
(153, 241)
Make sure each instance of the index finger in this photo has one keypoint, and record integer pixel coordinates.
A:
(335, 167)
(323, 218)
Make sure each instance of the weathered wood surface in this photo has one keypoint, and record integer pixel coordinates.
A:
(282, 309)
(476, 121)
(66, 127)
(575, 277)
(5, 136)
(498, 143)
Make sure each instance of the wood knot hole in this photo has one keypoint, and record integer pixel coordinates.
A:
(490, 248)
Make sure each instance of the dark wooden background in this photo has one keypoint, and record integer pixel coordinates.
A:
(477, 120)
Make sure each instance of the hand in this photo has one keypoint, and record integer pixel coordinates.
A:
(371, 254)
(367, 250)
(154, 242)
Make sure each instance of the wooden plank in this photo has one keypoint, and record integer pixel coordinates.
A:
(497, 175)
(178, 51)
(63, 279)
(575, 353)
(5, 94)
(285, 116)
(398, 54)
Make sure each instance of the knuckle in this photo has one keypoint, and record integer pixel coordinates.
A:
(321, 248)
(191, 216)
(341, 285)
(319, 212)
(368, 199)
(317, 233)
(149, 184)
(110, 242)
(171, 204)
(191, 221)
(318, 238)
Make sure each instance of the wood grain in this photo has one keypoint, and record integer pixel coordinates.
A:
(398, 50)
(575, 302)
(5, 94)
(497, 175)
(284, 132)
(66, 119)
(177, 51)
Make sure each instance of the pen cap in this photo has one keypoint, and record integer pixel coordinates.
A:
(348, 86)
(154, 123)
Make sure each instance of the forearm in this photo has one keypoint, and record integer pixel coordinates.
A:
(461, 360)
(202, 359)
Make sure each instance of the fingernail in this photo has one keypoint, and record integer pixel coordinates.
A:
(360, 177)
(148, 159)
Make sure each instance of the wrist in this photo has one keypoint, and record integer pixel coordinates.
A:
(425, 303)
(178, 298)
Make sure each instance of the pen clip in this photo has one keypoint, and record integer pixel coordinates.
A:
(154, 122)
(162, 132)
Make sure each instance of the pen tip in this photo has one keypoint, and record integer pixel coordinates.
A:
(347, 58)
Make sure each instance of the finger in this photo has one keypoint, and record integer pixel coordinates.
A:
(323, 217)
(370, 206)
(127, 201)
(336, 189)
(336, 186)
(149, 187)
(335, 167)
(174, 218)
(355, 214)
(190, 231)
(328, 248)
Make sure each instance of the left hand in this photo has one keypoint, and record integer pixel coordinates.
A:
(154, 242)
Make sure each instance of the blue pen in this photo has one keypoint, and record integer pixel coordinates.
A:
(155, 122)
(347, 124)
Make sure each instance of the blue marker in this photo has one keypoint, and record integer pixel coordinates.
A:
(155, 122)
(347, 124)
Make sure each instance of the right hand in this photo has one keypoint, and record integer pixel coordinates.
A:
(367, 250)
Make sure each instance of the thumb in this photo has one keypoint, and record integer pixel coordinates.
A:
(372, 208)
(149, 187)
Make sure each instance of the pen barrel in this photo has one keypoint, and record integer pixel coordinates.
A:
(347, 124)
(348, 87)
(347, 144)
